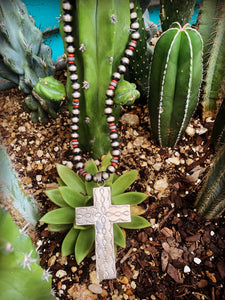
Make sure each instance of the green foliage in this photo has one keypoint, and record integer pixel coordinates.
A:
(101, 31)
(126, 93)
(210, 201)
(175, 79)
(176, 11)
(21, 276)
(77, 192)
(212, 29)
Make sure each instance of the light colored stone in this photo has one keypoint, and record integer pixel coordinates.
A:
(60, 274)
(197, 260)
(187, 269)
(138, 142)
(190, 131)
(39, 153)
(157, 166)
(130, 119)
(95, 288)
(161, 184)
(173, 160)
(201, 130)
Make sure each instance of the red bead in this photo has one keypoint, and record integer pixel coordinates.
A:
(131, 48)
(133, 41)
(74, 140)
(75, 106)
(71, 62)
(76, 100)
(112, 130)
(114, 164)
(111, 124)
(115, 157)
(115, 81)
(112, 87)
(75, 146)
(71, 54)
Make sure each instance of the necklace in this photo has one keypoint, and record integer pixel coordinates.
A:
(102, 214)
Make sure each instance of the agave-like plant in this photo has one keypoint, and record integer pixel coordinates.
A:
(75, 192)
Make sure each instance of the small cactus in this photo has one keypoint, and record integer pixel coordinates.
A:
(20, 273)
(175, 79)
(212, 29)
(176, 11)
(210, 201)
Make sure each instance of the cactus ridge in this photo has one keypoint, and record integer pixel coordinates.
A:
(175, 79)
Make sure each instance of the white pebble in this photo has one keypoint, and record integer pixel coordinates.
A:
(197, 260)
(60, 273)
(187, 269)
(212, 233)
(38, 177)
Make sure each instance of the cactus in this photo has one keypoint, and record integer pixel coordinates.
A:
(212, 29)
(73, 192)
(176, 11)
(126, 93)
(24, 58)
(210, 201)
(20, 273)
(101, 31)
(175, 79)
(218, 133)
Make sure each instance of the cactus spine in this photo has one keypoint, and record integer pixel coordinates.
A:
(175, 79)
(176, 11)
(212, 29)
(101, 30)
(210, 201)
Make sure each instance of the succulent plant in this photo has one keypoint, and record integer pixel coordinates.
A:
(176, 75)
(101, 32)
(176, 11)
(126, 93)
(24, 58)
(20, 273)
(75, 192)
(210, 201)
(212, 29)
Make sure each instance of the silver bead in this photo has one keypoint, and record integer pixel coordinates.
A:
(76, 94)
(115, 144)
(75, 127)
(135, 35)
(110, 119)
(117, 75)
(129, 52)
(75, 111)
(97, 177)
(108, 110)
(69, 39)
(134, 25)
(109, 102)
(67, 18)
(125, 60)
(67, 6)
(88, 177)
(133, 15)
(75, 86)
(70, 49)
(113, 136)
(74, 135)
(72, 68)
(76, 150)
(105, 175)
(79, 165)
(67, 28)
(116, 152)
(131, 5)
(109, 93)
(77, 158)
(75, 119)
(111, 169)
(73, 76)
(121, 69)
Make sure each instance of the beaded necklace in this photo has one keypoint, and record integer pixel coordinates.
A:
(102, 214)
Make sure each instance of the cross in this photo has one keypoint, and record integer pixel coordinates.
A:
(103, 214)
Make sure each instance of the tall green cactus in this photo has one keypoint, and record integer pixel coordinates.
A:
(176, 11)
(210, 201)
(21, 276)
(212, 29)
(101, 31)
(175, 79)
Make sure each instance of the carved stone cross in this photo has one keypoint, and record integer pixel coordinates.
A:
(103, 214)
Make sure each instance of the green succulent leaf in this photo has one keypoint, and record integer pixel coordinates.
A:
(119, 238)
(84, 244)
(64, 215)
(69, 242)
(58, 227)
(91, 167)
(60, 182)
(71, 179)
(55, 196)
(71, 197)
(131, 198)
(82, 227)
(137, 222)
(105, 162)
(123, 182)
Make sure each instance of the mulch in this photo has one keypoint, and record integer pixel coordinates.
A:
(181, 256)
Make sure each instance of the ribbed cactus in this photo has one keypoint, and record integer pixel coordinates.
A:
(24, 58)
(101, 31)
(21, 276)
(212, 29)
(176, 11)
(210, 201)
(175, 79)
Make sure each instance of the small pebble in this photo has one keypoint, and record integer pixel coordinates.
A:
(197, 260)
(60, 273)
(187, 269)
(95, 288)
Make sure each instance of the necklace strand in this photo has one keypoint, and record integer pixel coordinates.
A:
(110, 92)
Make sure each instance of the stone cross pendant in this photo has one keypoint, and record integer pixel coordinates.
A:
(103, 214)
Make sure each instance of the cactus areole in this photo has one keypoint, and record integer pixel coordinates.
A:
(102, 215)
(176, 75)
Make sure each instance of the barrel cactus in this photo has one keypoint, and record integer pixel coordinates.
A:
(176, 75)
(101, 32)
(210, 201)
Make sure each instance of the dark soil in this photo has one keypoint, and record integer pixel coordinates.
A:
(181, 256)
